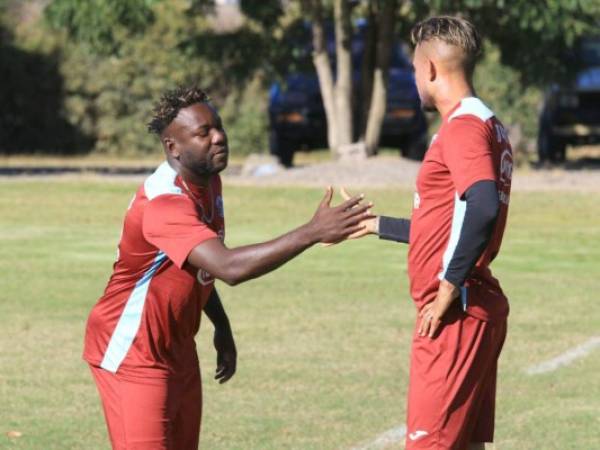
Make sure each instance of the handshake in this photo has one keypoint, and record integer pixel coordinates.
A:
(349, 220)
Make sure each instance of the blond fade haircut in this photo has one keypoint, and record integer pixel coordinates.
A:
(451, 30)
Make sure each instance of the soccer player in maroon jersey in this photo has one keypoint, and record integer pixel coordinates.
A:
(458, 219)
(139, 339)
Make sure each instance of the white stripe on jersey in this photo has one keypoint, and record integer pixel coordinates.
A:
(162, 181)
(458, 217)
(472, 106)
(130, 320)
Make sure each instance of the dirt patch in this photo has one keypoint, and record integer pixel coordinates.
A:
(390, 172)
(375, 173)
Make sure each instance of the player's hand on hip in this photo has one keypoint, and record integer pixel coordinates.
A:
(431, 318)
(226, 354)
(334, 224)
(432, 313)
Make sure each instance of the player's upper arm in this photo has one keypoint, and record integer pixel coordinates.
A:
(172, 224)
(212, 256)
(467, 152)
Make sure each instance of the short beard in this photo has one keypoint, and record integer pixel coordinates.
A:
(206, 169)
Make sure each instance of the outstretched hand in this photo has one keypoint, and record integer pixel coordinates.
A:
(333, 224)
(368, 225)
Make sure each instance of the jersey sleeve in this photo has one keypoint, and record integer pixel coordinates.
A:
(173, 225)
(467, 151)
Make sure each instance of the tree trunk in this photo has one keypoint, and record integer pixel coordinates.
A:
(343, 84)
(366, 71)
(323, 68)
(377, 109)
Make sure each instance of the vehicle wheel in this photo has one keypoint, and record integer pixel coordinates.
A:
(560, 152)
(550, 147)
(282, 148)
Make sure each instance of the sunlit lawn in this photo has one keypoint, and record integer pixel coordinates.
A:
(323, 343)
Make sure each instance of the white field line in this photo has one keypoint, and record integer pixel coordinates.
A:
(392, 436)
(397, 434)
(565, 358)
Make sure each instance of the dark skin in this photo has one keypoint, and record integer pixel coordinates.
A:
(196, 147)
(222, 339)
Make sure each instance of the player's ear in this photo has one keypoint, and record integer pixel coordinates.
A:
(432, 70)
(170, 146)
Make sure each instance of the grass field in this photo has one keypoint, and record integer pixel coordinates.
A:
(323, 343)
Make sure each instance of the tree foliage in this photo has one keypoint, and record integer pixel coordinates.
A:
(98, 23)
(32, 117)
(88, 74)
(533, 37)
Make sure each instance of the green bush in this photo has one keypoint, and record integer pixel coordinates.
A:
(500, 87)
(111, 97)
(244, 115)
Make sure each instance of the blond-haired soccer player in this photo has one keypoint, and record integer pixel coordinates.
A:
(458, 219)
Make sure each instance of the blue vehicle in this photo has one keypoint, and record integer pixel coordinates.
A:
(571, 111)
(297, 116)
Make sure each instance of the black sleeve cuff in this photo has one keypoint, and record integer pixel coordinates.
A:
(394, 229)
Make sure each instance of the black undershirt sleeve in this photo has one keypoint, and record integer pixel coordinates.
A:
(478, 226)
(394, 229)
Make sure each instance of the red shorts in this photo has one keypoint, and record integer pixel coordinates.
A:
(151, 413)
(452, 388)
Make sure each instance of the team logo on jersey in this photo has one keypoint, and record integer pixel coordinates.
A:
(416, 435)
(204, 278)
(416, 201)
(501, 133)
(219, 206)
(506, 166)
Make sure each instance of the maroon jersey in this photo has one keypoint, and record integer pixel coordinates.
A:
(146, 320)
(470, 146)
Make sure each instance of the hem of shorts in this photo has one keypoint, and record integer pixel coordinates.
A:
(91, 361)
(135, 371)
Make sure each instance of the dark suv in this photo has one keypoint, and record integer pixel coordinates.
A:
(571, 112)
(297, 117)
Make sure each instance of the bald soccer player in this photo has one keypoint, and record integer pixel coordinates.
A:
(139, 339)
(458, 219)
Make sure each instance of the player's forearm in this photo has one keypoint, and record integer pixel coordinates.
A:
(477, 230)
(252, 261)
(329, 224)
(393, 229)
(236, 265)
(215, 312)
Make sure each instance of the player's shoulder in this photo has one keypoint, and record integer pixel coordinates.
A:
(161, 182)
(471, 108)
(471, 119)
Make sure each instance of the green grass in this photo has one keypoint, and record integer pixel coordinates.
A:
(323, 343)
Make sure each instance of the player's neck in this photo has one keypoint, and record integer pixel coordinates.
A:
(188, 176)
(452, 93)
(194, 179)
